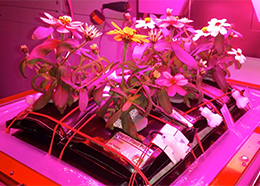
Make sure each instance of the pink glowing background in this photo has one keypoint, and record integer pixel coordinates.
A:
(18, 19)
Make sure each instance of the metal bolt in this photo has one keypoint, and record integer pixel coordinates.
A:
(244, 158)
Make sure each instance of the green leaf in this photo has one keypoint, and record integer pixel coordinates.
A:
(139, 51)
(164, 101)
(201, 48)
(198, 84)
(186, 100)
(86, 66)
(98, 94)
(184, 56)
(83, 99)
(101, 111)
(43, 49)
(45, 98)
(132, 65)
(220, 77)
(113, 118)
(44, 69)
(149, 100)
(162, 45)
(60, 96)
(22, 66)
(219, 43)
(119, 91)
(104, 59)
(67, 80)
(87, 56)
(129, 126)
(66, 45)
(237, 64)
(34, 86)
(42, 32)
(62, 72)
(32, 62)
(126, 105)
(44, 83)
(70, 99)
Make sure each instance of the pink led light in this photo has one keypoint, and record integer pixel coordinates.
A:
(256, 4)
(159, 7)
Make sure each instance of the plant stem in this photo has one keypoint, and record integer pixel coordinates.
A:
(62, 37)
(73, 51)
(123, 66)
(157, 53)
(172, 33)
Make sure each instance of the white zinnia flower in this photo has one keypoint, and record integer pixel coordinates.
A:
(217, 26)
(238, 55)
(147, 22)
(203, 32)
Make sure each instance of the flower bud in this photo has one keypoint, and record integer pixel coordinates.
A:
(24, 49)
(94, 48)
(127, 16)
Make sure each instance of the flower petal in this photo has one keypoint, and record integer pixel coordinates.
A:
(167, 75)
(118, 38)
(115, 25)
(180, 90)
(49, 21)
(62, 29)
(48, 15)
(171, 90)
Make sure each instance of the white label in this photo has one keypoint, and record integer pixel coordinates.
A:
(130, 148)
(172, 142)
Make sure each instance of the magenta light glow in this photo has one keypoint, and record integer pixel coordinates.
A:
(256, 4)
(159, 7)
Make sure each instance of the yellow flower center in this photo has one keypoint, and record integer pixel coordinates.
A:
(65, 19)
(93, 46)
(147, 20)
(156, 74)
(204, 30)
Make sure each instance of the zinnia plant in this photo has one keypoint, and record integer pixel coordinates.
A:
(170, 58)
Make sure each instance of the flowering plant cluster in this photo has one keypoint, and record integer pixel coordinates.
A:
(169, 59)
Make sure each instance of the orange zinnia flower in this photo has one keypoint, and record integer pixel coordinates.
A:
(128, 35)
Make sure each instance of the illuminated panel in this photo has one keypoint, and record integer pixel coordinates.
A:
(256, 4)
(13, 172)
(235, 168)
(159, 7)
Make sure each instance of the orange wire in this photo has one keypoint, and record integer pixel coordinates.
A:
(97, 142)
(52, 139)
(213, 95)
(206, 102)
(20, 114)
(56, 127)
(70, 138)
(132, 178)
(192, 152)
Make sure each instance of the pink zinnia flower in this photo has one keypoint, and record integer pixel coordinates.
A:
(64, 23)
(169, 19)
(174, 21)
(173, 83)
